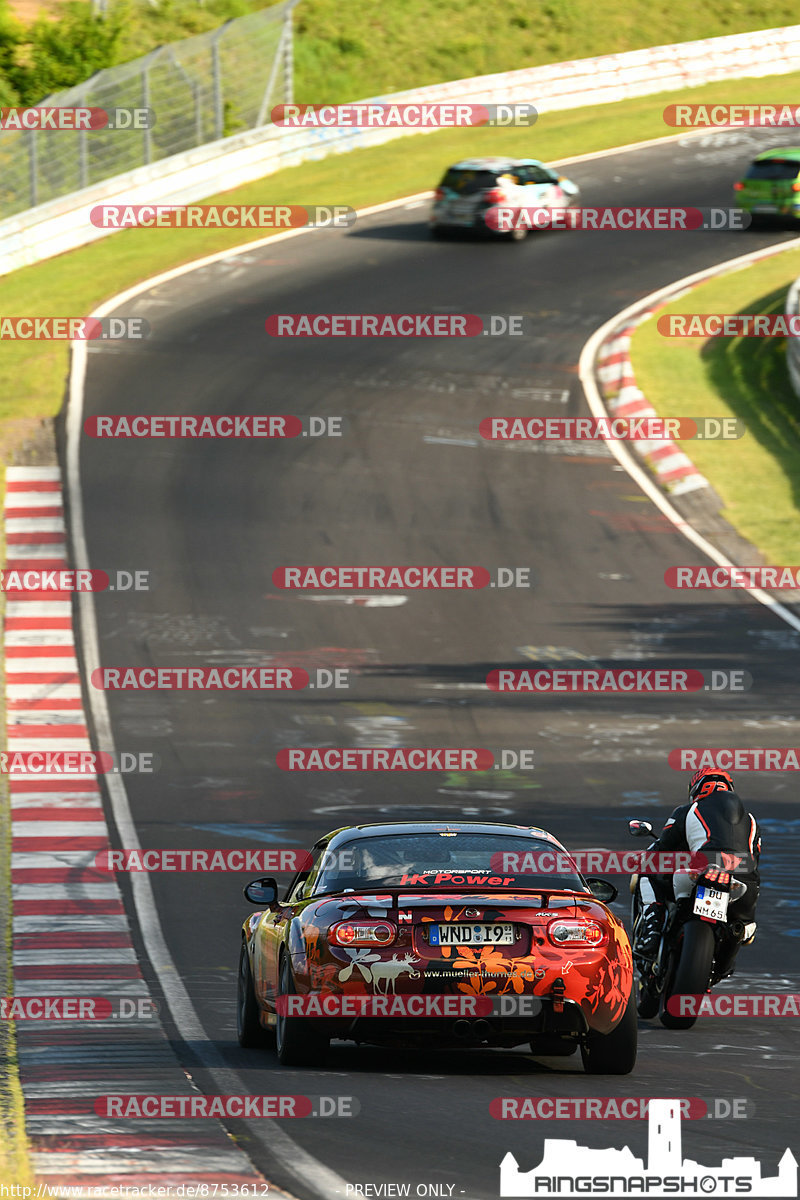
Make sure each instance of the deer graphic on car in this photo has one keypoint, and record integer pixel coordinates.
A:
(375, 970)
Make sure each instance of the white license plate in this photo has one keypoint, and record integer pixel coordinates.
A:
(711, 903)
(471, 935)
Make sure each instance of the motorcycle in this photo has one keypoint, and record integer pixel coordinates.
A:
(700, 937)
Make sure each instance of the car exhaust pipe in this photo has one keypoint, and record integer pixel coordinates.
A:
(481, 1029)
(461, 1029)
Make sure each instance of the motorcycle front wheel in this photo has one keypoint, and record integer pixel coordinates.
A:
(692, 972)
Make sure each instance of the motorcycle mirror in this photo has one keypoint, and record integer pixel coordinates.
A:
(641, 829)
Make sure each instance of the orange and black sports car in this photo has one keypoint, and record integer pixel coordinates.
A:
(460, 934)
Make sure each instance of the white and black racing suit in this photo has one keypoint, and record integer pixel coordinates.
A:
(720, 826)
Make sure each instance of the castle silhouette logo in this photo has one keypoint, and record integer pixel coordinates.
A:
(568, 1169)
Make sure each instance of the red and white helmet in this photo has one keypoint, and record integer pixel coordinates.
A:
(708, 780)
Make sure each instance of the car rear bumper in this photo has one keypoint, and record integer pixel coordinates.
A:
(554, 1021)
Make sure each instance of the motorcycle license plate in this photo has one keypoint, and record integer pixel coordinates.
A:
(711, 903)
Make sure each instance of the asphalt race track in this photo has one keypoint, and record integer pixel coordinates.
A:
(412, 482)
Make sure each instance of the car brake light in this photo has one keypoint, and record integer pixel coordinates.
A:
(738, 187)
(439, 194)
(362, 933)
(577, 933)
(796, 186)
(494, 195)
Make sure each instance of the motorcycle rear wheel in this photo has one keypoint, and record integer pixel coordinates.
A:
(692, 973)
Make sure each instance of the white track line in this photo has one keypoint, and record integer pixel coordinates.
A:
(624, 456)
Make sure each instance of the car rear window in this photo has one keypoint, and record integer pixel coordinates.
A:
(448, 860)
(466, 183)
(775, 168)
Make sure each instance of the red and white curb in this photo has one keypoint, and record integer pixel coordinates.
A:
(70, 932)
(673, 469)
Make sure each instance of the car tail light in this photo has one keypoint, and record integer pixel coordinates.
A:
(494, 195)
(738, 187)
(362, 933)
(577, 933)
(796, 186)
(439, 194)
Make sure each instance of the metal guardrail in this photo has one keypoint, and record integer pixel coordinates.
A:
(200, 89)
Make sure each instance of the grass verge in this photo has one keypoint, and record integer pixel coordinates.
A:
(757, 476)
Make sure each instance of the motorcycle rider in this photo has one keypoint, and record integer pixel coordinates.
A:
(714, 821)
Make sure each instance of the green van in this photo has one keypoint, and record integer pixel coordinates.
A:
(771, 187)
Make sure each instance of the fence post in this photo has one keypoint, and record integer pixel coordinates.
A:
(147, 61)
(216, 73)
(283, 53)
(288, 56)
(34, 192)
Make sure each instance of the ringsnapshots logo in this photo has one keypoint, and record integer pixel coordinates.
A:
(569, 1169)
